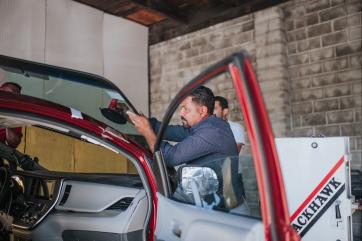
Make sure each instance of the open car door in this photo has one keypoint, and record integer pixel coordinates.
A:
(200, 220)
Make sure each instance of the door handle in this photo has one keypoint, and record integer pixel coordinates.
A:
(338, 211)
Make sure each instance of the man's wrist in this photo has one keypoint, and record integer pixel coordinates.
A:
(150, 137)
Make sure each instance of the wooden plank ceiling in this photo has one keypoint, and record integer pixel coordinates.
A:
(170, 18)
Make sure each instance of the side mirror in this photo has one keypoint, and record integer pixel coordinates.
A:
(116, 112)
(204, 179)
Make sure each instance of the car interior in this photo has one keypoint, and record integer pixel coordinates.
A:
(75, 191)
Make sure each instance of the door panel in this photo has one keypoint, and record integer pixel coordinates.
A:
(116, 222)
(84, 196)
(179, 221)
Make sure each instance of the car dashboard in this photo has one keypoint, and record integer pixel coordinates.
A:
(60, 206)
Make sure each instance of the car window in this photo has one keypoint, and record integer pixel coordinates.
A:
(58, 152)
(226, 183)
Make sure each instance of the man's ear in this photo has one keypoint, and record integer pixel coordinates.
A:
(204, 112)
(225, 112)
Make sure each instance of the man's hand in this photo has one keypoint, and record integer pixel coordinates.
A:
(140, 122)
(143, 126)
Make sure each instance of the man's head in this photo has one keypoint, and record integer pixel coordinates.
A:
(221, 109)
(197, 106)
(11, 87)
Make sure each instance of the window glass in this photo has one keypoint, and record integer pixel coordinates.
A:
(74, 155)
(86, 93)
(203, 169)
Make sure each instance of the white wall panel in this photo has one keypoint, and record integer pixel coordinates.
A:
(125, 46)
(74, 36)
(22, 29)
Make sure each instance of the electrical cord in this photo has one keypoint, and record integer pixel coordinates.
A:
(11, 200)
(3, 169)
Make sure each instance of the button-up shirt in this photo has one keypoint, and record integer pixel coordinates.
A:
(209, 140)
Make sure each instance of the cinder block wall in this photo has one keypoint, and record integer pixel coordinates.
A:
(324, 62)
(176, 61)
(307, 57)
(324, 57)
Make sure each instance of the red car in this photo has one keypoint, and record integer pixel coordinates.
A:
(79, 176)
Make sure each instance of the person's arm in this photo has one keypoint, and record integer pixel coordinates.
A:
(238, 132)
(13, 137)
(143, 126)
(175, 133)
(191, 148)
(150, 137)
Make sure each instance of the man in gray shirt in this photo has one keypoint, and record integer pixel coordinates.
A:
(221, 110)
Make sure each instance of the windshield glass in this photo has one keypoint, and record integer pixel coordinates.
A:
(84, 92)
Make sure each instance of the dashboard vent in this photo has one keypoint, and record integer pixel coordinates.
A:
(67, 190)
(122, 204)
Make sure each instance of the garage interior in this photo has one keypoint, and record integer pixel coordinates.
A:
(306, 54)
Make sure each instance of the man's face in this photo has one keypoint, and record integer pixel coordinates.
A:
(191, 112)
(218, 110)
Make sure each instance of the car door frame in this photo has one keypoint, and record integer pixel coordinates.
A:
(274, 210)
(19, 104)
(33, 109)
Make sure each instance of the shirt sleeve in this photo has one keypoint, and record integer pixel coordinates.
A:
(175, 133)
(191, 148)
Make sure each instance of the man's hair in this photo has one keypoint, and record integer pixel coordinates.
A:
(204, 96)
(13, 84)
(223, 102)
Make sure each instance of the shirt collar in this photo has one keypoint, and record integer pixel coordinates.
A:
(208, 119)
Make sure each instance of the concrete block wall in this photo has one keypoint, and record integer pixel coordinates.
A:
(324, 56)
(271, 67)
(174, 62)
(307, 57)
(325, 75)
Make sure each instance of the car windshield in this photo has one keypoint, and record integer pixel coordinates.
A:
(86, 93)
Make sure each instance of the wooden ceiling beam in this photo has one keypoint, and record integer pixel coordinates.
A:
(233, 3)
(161, 7)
